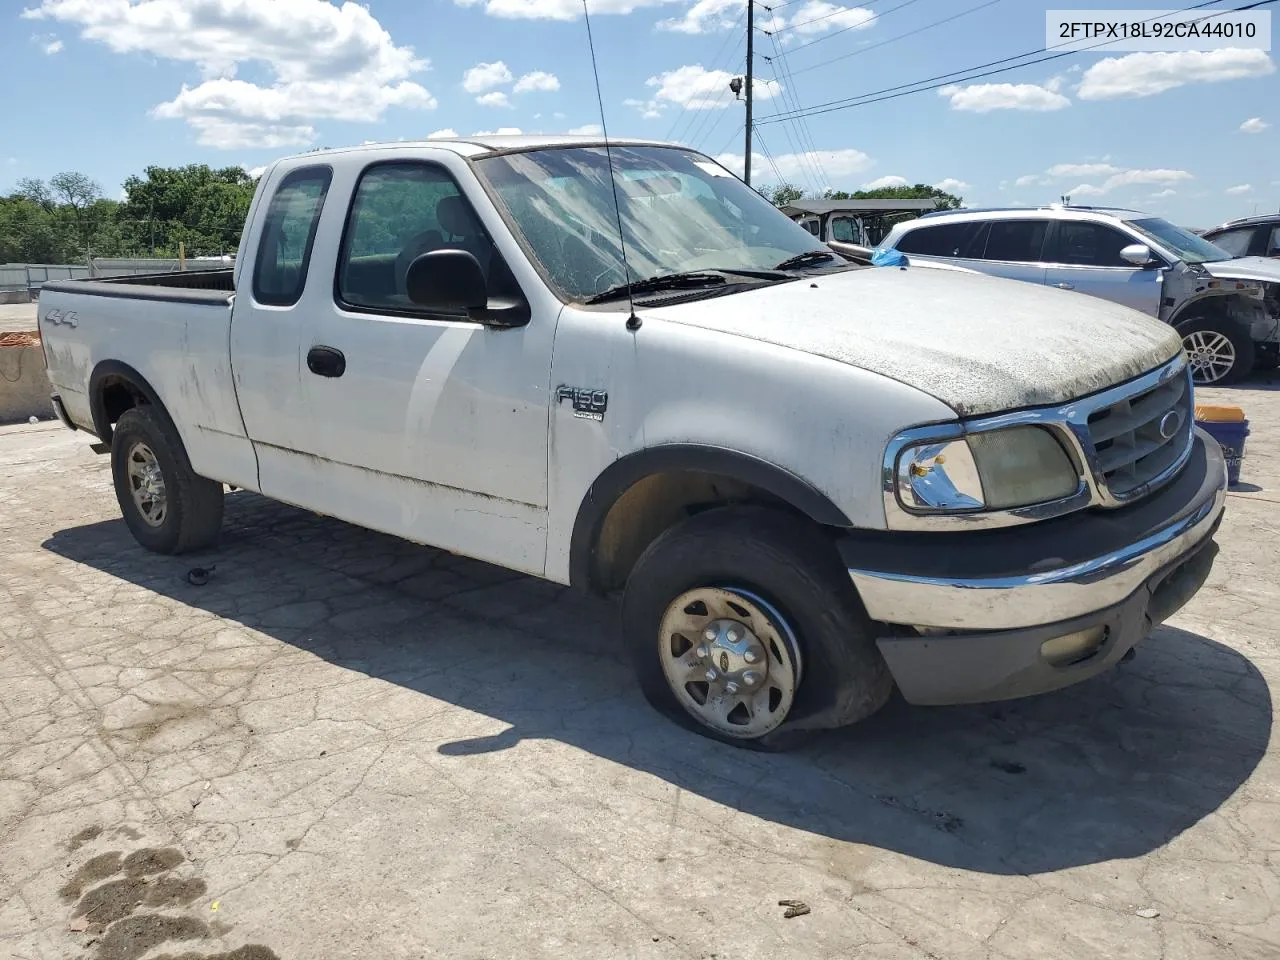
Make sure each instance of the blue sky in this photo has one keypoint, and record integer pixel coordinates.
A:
(108, 87)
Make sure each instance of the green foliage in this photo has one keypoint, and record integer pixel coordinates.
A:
(781, 194)
(920, 191)
(67, 219)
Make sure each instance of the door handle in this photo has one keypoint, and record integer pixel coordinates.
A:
(326, 361)
(1063, 285)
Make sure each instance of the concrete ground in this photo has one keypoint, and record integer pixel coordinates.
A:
(348, 746)
(18, 317)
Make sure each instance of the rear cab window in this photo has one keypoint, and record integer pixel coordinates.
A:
(288, 233)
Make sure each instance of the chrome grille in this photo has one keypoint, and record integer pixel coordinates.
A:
(1130, 446)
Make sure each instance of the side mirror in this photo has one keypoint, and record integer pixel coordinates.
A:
(1139, 254)
(452, 281)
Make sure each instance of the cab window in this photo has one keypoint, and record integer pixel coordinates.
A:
(1235, 242)
(400, 211)
(288, 232)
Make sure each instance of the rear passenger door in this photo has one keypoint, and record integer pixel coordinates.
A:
(1085, 256)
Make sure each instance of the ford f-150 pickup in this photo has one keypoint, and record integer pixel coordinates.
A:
(622, 369)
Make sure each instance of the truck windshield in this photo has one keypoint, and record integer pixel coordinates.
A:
(1183, 244)
(680, 212)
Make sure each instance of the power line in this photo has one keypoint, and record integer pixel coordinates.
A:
(769, 156)
(802, 126)
(922, 86)
(734, 30)
(901, 36)
(853, 26)
(827, 16)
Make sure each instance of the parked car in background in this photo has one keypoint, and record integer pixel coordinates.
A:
(852, 228)
(1226, 308)
(1249, 237)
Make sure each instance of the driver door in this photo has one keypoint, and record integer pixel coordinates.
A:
(1085, 257)
(423, 424)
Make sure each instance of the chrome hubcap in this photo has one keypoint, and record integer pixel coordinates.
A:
(1211, 354)
(146, 483)
(731, 660)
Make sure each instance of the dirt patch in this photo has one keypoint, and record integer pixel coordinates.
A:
(250, 951)
(175, 891)
(140, 863)
(84, 836)
(19, 339)
(99, 868)
(131, 937)
(112, 901)
(128, 833)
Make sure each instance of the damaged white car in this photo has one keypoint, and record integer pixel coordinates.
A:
(1227, 309)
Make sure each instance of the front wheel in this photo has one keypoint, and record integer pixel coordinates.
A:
(1220, 350)
(742, 625)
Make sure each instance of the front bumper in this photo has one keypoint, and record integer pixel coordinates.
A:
(1119, 570)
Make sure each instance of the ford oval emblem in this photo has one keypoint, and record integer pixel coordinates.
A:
(1169, 424)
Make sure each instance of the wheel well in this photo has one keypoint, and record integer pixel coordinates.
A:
(114, 389)
(118, 395)
(654, 504)
(1216, 307)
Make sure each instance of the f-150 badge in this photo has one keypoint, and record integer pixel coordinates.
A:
(587, 404)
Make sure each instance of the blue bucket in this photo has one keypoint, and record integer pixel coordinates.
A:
(1231, 437)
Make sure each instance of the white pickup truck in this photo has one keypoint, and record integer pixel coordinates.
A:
(808, 479)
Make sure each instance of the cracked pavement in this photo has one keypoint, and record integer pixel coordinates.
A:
(348, 745)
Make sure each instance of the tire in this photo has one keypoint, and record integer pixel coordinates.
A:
(189, 515)
(787, 577)
(1207, 338)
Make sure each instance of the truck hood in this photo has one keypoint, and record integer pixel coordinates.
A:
(1244, 268)
(979, 344)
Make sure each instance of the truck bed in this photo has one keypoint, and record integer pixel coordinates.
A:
(197, 286)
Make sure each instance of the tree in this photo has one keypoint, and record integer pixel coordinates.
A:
(781, 194)
(80, 194)
(920, 191)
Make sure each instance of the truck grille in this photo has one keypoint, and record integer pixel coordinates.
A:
(1140, 438)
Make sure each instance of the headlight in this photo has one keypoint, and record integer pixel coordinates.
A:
(989, 470)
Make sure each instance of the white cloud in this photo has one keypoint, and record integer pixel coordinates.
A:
(1166, 192)
(817, 16)
(52, 47)
(705, 16)
(1082, 170)
(951, 185)
(485, 76)
(649, 109)
(1127, 178)
(537, 80)
(324, 62)
(448, 133)
(985, 97)
(256, 172)
(1145, 74)
(1254, 125)
(890, 181)
(697, 88)
(587, 130)
(795, 166)
(1031, 179)
(494, 98)
(500, 132)
(554, 9)
(1085, 190)
(1239, 189)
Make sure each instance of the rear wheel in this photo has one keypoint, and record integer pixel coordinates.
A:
(743, 626)
(167, 507)
(1219, 349)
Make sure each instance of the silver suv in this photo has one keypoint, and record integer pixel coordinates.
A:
(1226, 308)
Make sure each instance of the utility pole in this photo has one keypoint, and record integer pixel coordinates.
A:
(751, 31)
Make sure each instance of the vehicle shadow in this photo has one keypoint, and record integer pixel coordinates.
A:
(1113, 768)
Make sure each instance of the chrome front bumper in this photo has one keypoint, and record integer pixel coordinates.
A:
(976, 634)
(1059, 581)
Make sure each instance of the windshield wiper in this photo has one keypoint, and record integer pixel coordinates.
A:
(667, 281)
(804, 259)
